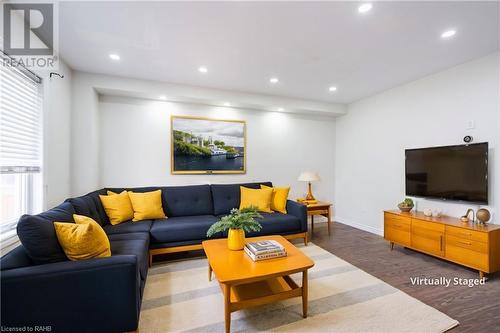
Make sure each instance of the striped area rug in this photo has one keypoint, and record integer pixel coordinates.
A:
(342, 298)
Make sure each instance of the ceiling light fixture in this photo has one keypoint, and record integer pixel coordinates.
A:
(114, 56)
(281, 109)
(203, 69)
(163, 97)
(366, 7)
(448, 34)
(227, 104)
(274, 80)
(332, 89)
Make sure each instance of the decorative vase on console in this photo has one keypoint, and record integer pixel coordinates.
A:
(237, 222)
(406, 205)
(483, 215)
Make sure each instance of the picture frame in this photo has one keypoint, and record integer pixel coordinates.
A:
(201, 145)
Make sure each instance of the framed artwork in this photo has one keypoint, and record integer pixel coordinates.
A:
(207, 146)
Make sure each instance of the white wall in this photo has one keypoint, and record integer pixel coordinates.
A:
(135, 145)
(125, 141)
(57, 136)
(433, 111)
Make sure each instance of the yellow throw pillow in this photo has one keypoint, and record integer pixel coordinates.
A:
(117, 206)
(84, 239)
(279, 198)
(147, 205)
(259, 198)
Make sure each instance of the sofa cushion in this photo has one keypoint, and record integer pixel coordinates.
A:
(256, 198)
(128, 227)
(131, 235)
(38, 236)
(147, 205)
(117, 206)
(135, 189)
(227, 196)
(181, 228)
(90, 205)
(277, 223)
(16, 258)
(82, 240)
(137, 247)
(187, 200)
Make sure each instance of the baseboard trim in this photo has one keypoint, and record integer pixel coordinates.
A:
(361, 226)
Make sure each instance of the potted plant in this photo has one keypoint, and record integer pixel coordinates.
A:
(406, 205)
(237, 222)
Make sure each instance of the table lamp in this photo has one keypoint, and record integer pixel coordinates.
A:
(309, 176)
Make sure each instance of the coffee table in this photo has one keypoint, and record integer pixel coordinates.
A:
(246, 283)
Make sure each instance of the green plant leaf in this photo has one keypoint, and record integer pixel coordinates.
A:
(237, 219)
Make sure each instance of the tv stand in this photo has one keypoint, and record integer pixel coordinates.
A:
(469, 244)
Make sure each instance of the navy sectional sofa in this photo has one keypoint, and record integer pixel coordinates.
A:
(41, 287)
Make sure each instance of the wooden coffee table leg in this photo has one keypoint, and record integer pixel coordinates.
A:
(209, 272)
(227, 307)
(304, 294)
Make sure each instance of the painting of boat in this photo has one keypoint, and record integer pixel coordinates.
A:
(204, 145)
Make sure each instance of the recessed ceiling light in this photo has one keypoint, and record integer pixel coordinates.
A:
(227, 104)
(366, 7)
(280, 109)
(203, 69)
(332, 89)
(163, 97)
(274, 80)
(448, 34)
(114, 56)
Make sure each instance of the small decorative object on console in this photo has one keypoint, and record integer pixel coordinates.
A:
(465, 218)
(483, 215)
(428, 212)
(265, 249)
(406, 205)
(237, 222)
(436, 213)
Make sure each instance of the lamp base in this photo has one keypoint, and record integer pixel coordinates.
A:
(309, 195)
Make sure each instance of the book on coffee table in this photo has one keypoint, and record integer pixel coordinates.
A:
(259, 257)
(265, 246)
(266, 249)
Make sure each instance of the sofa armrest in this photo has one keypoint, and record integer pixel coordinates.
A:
(95, 295)
(299, 210)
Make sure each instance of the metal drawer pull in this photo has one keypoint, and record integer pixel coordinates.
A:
(466, 243)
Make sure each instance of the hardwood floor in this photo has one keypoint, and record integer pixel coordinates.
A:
(476, 308)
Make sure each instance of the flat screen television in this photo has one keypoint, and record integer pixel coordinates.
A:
(458, 173)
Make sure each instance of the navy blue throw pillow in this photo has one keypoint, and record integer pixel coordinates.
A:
(38, 236)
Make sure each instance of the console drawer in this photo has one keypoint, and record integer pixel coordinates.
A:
(467, 234)
(396, 235)
(467, 244)
(417, 224)
(397, 222)
(465, 256)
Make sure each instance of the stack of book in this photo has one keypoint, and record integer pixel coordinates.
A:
(266, 249)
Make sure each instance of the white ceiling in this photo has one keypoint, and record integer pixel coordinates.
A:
(308, 45)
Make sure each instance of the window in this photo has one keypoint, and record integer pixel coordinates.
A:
(21, 185)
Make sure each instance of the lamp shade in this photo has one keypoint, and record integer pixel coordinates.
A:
(308, 176)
